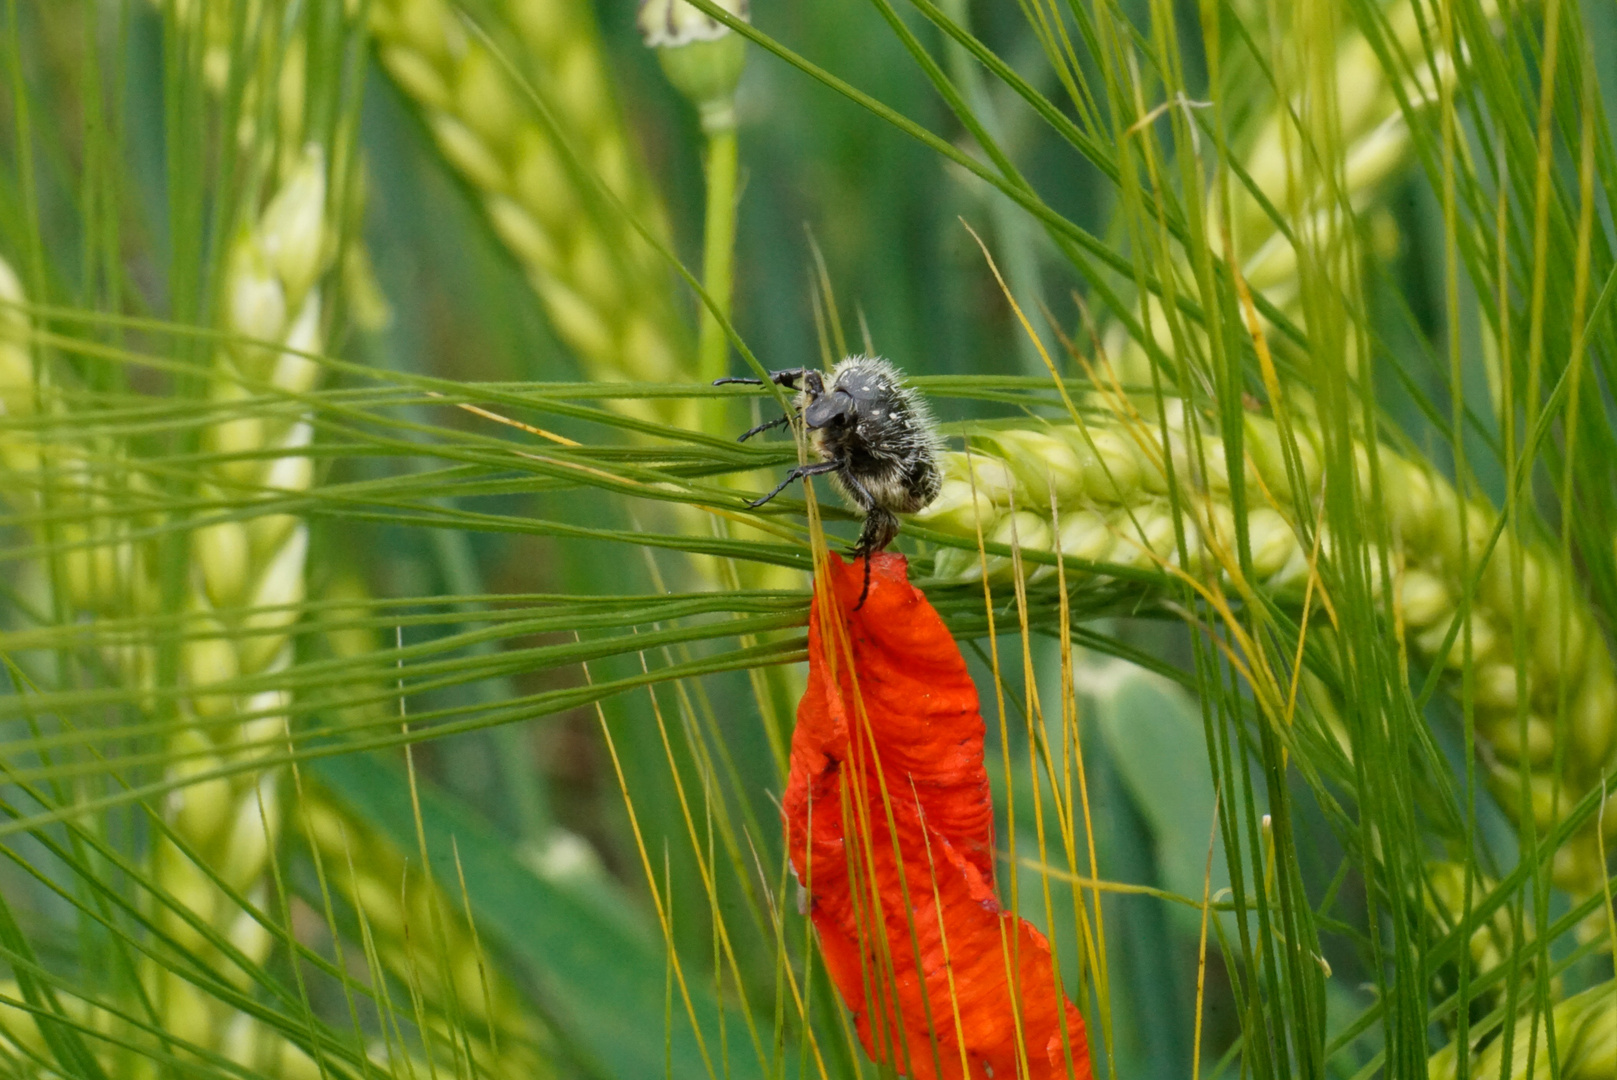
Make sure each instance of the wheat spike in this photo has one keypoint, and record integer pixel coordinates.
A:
(1109, 483)
(607, 292)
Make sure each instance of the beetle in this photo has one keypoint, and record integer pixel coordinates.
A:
(874, 435)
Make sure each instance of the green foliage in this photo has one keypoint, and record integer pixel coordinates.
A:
(399, 684)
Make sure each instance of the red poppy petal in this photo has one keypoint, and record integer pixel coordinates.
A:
(890, 827)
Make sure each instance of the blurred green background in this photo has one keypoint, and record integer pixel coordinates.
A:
(619, 855)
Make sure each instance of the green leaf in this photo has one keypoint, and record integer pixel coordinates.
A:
(1155, 734)
(599, 967)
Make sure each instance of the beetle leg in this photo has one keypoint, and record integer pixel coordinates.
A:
(797, 473)
(765, 426)
(880, 528)
(861, 494)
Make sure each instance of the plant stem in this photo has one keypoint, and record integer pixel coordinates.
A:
(1012, 229)
(718, 251)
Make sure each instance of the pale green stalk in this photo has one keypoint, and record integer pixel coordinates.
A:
(703, 59)
(718, 252)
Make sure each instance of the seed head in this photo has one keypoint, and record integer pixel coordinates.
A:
(669, 24)
(699, 54)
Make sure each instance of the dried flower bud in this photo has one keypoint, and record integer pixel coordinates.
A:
(671, 24)
(699, 54)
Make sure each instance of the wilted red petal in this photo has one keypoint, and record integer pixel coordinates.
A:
(888, 752)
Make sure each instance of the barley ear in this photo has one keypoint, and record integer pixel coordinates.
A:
(247, 580)
(1114, 473)
(607, 292)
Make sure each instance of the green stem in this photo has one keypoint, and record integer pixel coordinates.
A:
(718, 250)
(1013, 230)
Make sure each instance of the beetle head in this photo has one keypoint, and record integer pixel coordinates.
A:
(836, 409)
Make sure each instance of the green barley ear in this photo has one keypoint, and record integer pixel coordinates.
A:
(428, 940)
(1597, 1041)
(250, 578)
(1109, 483)
(99, 567)
(1585, 1027)
(536, 169)
(19, 393)
(246, 578)
(1281, 185)
(1372, 126)
(247, 583)
(1495, 941)
(607, 292)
